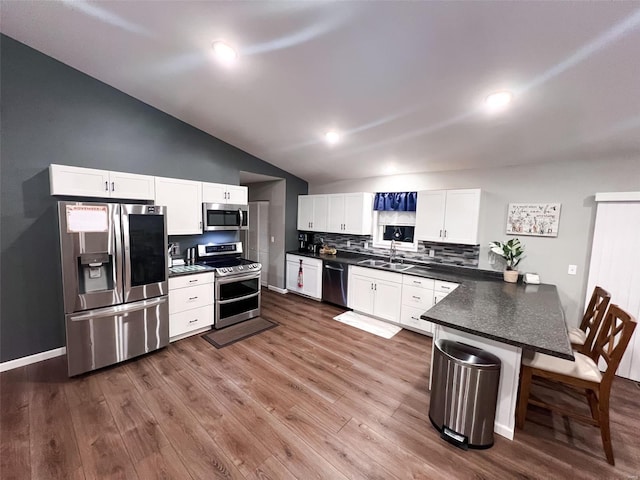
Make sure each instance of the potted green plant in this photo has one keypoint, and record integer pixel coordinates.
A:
(513, 252)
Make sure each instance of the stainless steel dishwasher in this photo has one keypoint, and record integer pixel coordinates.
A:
(334, 282)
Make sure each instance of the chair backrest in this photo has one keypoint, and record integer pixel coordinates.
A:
(593, 316)
(613, 339)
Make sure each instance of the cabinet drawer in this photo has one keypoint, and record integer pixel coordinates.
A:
(444, 287)
(192, 297)
(306, 261)
(190, 280)
(417, 297)
(417, 281)
(183, 322)
(410, 317)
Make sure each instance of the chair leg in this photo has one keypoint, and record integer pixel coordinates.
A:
(525, 387)
(593, 404)
(605, 431)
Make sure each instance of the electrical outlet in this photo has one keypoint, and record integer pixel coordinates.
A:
(348, 243)
(573, 269)
(273, 239)
(366, 245)
(432, 253)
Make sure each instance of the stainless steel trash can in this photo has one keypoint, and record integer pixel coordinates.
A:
(464, 393)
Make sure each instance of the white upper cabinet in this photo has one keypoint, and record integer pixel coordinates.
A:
(183, 199)
(221, 193)
(312, 212)
(90, 182)
(448, 216)
(336, 213)
(350, 213)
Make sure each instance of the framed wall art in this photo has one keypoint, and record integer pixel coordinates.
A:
(537, 219)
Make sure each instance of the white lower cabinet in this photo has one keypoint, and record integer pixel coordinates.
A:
(191, 299)
(311, 276)
(419, 295)
(375, 292)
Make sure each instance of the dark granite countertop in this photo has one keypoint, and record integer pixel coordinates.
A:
(528, 316)
(180, 270)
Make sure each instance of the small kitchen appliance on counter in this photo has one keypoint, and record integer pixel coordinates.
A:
(237, 282)
(304, 240)
(114, 281)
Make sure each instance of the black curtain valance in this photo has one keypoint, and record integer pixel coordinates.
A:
(395, 201)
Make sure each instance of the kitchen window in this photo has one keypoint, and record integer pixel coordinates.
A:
(397, 226)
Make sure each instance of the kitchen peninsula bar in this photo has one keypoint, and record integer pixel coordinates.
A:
(504, 319)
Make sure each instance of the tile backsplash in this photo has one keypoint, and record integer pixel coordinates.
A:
(445, 253)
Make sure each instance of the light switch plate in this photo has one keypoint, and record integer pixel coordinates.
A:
(573, 269)
(273, 239)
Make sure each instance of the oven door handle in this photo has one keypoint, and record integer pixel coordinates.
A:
(237, 299)
(237, 278)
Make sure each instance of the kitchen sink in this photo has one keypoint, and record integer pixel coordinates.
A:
(396, 267)
(372, 263)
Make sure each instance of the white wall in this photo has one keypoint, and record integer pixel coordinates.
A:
(571, 183)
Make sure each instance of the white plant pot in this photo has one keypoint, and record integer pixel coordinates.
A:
(511, 276)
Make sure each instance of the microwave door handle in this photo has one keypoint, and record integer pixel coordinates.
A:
(241, 217)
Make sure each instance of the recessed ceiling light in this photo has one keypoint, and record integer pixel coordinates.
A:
(498, 101)
(224, 52)
(332, 137)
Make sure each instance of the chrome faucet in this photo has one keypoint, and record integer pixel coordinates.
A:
(392, 254)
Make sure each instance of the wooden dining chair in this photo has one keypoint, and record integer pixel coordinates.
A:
(582, 337)
(583, 374)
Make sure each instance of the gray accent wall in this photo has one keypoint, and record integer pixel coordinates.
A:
(52, 113)
(572, 181)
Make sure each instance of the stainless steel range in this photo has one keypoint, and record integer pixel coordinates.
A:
(237, 282)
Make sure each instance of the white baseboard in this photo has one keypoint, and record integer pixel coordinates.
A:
(278, 289)
(503, 430)
(38, 357)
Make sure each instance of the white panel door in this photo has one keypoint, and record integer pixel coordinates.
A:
(461, 217)
(78, 181)
(388, 298)
(358, 213)
(237, 195)
(361, 293)
(132, 186)
(214, 193)
(336, 213)
(430, 215)
(312, 280)
(615, 266)
(183, 199)
(292, 276)
(320, 213)
(305, 212)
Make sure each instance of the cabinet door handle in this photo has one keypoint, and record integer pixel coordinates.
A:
(414, 318)
(113, 186)
(440, 233)
(200, 225)
(445, 288)
(445, 234)
(192, 298)
(375, 287)
(193, 321)
(193, 281)
(416, 297)
(106, 186)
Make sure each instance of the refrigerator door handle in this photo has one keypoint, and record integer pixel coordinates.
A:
(118, 310)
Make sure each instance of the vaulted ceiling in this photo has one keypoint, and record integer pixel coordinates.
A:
(403, 82)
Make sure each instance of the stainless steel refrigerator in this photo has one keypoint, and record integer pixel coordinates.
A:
(115, 282)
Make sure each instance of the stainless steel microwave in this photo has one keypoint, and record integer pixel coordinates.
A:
(220, 216)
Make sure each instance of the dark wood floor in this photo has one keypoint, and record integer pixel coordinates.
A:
(312, 398)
